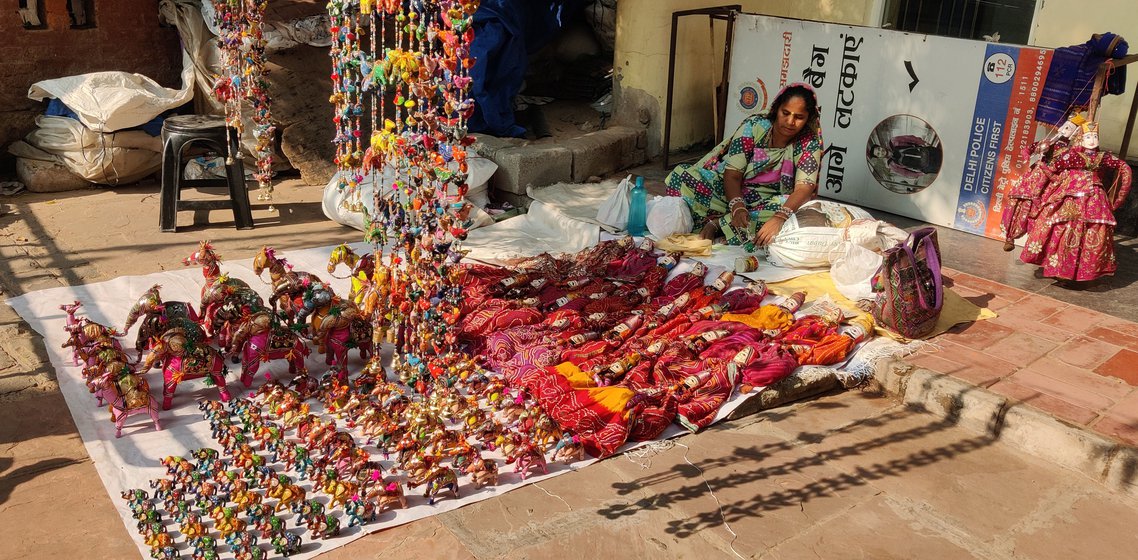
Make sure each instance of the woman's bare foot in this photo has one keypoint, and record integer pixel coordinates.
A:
(709, 231)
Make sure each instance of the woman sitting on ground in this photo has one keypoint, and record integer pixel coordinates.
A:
(751, 183)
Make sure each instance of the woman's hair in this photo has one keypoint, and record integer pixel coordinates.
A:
(796, 91)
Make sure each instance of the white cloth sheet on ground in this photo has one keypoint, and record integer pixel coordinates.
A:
(132, 460)
(579, 201)
(562, 219)
(544, 229)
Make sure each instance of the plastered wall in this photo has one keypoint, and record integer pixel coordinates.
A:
(641, 60)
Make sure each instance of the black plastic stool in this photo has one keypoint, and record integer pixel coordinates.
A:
(177, 133)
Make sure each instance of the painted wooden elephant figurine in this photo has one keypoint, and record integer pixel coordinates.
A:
(285, 543)
(259, 338)
(158, 317)
(336, 329)
(436, 480)
(182, 359)
(225, 304)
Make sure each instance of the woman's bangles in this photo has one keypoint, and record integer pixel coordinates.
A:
(784, 211)
(736, 204)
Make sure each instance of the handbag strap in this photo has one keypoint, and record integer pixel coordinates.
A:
(924, 238)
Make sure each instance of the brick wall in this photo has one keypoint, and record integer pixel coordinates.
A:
(126, 37)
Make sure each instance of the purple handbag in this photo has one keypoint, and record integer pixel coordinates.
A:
(910, 290)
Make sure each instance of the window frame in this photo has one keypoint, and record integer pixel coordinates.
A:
(878, 7)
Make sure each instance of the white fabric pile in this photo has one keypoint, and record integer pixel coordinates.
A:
(97, 147)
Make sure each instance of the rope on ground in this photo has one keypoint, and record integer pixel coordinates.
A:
(642, 456)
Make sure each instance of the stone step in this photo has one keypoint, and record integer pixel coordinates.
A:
(573, 159)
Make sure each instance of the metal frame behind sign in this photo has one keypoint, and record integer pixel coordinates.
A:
(724, 13)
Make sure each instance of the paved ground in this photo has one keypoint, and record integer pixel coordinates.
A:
(845, 475)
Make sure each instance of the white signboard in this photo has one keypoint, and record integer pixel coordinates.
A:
(922, 126)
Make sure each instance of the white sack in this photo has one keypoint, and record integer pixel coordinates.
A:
(110, 101)
(799, 246)
(333, 202)
(669, 215)
(107, 159)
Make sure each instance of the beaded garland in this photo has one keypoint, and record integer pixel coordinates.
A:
(240, 24)
(401, 68)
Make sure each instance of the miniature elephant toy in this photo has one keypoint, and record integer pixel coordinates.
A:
(259, 338)
(183, 358)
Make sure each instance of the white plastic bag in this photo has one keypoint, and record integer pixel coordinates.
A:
(669, 215)
(853, 270)
(614, 210)
(110, 101)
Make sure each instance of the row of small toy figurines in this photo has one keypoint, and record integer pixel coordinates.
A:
(334, 464)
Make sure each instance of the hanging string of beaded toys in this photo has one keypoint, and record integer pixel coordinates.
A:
(240, 24)
(402, 67)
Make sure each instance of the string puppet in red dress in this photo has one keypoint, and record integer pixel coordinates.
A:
(1072, 236)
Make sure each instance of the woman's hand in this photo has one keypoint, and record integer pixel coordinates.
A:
(739, 217)
(769, 230)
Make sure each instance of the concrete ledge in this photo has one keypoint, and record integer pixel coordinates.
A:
(526, 166)
(1048, 438)
(604, 151)
(974, 408)
(1097, 457)
(1122, 471)
(523, 164)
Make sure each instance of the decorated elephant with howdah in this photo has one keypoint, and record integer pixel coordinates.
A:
(158, 316)
(225, 306)
(185, 357)
(259, 338)
(225, 300)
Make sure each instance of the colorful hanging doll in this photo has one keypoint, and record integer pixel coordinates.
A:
(1072, 234)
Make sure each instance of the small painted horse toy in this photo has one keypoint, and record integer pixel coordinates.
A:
(361, 267)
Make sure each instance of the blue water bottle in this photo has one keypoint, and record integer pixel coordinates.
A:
(638, 209)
